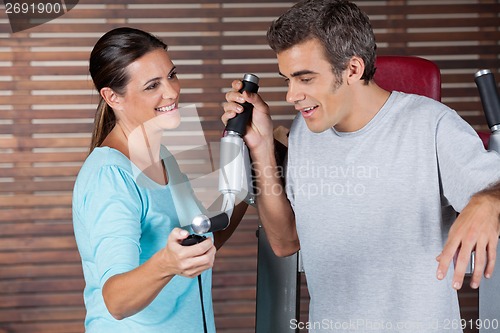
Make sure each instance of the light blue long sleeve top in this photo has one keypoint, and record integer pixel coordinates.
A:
(121, 218)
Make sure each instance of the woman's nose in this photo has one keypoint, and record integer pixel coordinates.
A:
(171, 91)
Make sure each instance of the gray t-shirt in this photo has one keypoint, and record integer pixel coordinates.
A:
(373, 208)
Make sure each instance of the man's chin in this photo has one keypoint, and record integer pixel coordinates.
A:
(316, 128)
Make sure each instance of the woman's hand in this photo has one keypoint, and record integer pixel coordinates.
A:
(188, 261)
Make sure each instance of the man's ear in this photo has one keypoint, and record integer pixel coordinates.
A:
(355, 70)
(111, 98)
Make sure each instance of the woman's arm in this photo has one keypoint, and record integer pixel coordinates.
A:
(128, 293)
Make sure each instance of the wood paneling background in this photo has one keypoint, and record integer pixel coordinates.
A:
(47, 105)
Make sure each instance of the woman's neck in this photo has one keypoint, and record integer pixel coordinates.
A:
(142, 147)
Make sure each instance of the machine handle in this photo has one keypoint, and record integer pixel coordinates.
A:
(202, 223)
(490, 99)
(239, 123)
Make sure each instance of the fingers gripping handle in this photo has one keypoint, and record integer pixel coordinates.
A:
(239, 123)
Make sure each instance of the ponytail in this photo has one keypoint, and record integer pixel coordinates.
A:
(104, 122)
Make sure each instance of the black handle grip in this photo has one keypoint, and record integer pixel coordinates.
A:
(239, 123)
(216, 221)
(219, 222)
(193, 239)
(488, 92)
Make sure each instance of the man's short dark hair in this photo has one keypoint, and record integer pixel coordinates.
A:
(340, 26)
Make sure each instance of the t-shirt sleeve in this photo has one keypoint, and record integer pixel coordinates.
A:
(465, 167)
(113, 210)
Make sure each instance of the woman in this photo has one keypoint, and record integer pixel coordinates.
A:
(139, 278)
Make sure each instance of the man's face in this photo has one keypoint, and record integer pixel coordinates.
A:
(313, 88)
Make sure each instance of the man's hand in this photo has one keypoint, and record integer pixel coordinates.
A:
(260, 132)
(477, 228)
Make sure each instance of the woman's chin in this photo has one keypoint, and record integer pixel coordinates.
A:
(168, 120)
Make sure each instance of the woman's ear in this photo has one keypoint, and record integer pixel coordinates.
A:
(355, 70)
(111, 98)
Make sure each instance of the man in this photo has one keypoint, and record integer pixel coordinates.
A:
(373, 182)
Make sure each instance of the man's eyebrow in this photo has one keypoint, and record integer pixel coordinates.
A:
(299, 73)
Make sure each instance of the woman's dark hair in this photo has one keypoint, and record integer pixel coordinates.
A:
(111, 55)
(340, 26)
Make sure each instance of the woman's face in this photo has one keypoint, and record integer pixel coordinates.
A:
(152, 94)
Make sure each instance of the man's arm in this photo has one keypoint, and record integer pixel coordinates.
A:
(477, 228)
(274, 209)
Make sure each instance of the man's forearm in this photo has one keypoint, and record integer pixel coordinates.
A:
(275, 211)
(492, 191)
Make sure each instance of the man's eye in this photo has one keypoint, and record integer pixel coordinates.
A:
(305, 80)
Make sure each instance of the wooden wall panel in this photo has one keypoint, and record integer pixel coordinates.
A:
(47, 105)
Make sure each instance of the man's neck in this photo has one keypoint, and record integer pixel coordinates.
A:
(368, 100)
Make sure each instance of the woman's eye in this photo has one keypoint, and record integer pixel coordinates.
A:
(152, 86)
(172, 75)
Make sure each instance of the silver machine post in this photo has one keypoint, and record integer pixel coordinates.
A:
(489, 300)
(235, 173)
